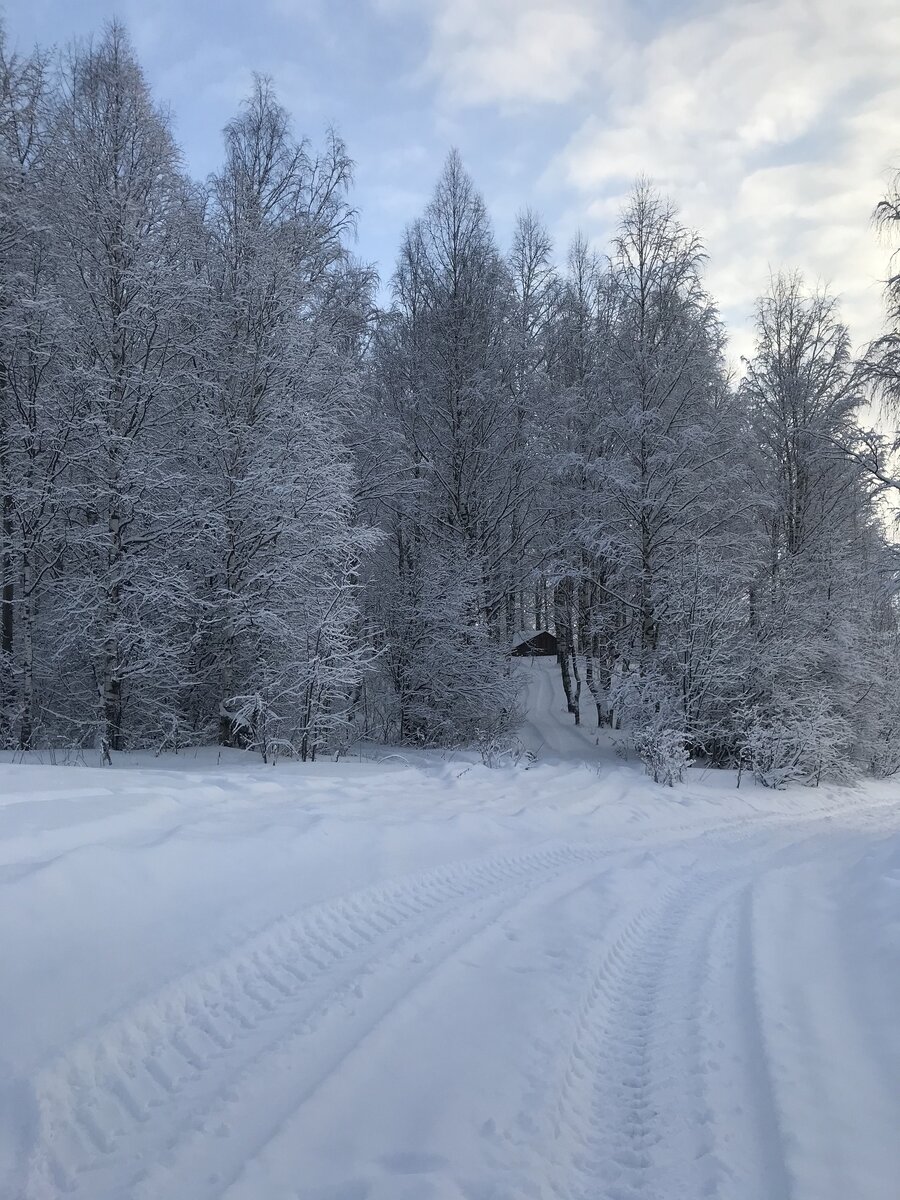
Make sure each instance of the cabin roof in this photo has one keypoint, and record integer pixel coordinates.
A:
(537, 636)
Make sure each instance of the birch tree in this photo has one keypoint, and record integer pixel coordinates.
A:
(657, 466)
(34, 420)
(881, 363)
(119, 203)
(821, 605)
(277, 655)
(445, 378)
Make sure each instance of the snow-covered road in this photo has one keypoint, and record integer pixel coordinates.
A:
(364, 982)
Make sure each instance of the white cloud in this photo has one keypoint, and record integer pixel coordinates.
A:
(771, 124)
(509, 52)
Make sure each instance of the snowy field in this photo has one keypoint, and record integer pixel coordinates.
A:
(427, 979)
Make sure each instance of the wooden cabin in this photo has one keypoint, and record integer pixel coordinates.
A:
(534, 643)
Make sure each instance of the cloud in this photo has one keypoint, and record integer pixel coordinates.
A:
(771, 124)
(508, 52)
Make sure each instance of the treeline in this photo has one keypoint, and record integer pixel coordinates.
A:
(241, 504)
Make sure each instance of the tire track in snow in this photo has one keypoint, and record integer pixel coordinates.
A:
(127, 1094)
(398, 989)
(623, 1113)
(744, 1101)
(667, 1088)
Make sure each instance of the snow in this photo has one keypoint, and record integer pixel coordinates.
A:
(420, 978)
(523, 636)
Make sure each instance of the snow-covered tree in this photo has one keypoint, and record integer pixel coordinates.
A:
(881, 363)
(648, 490)
(445, 381)
(237, 503)
(112, 201)
(276, 658)
(35, 413)
(822, 599)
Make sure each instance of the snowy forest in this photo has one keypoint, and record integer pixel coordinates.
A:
(244, 502)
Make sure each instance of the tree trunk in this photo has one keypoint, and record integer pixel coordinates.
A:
(111, 662)
(648, 614)
(26, 723)
(562, 615)
(7, 590)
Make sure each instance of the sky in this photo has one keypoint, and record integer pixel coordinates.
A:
(774, 125)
